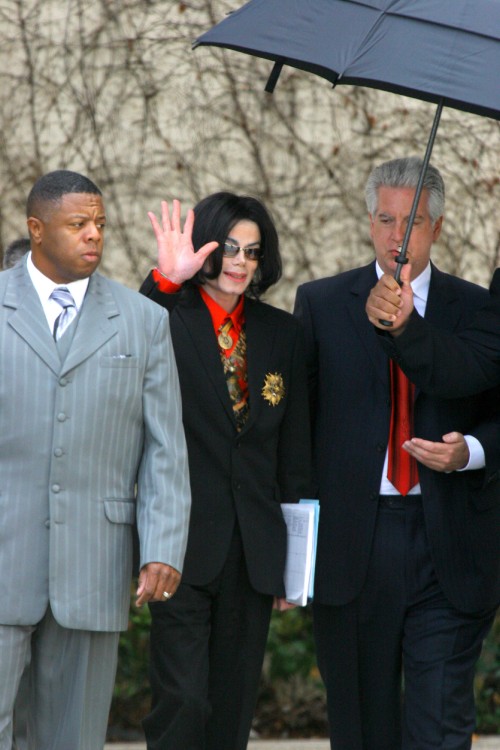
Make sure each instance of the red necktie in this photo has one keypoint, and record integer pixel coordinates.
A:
(402, 468)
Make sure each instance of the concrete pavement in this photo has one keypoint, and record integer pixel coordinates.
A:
(482, 743)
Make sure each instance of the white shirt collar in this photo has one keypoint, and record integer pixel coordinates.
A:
(45, 286)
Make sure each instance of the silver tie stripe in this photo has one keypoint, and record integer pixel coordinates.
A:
(64, 298)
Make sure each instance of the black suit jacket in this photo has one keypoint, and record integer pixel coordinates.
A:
(449, 365)
(245, 475)
(349, 383)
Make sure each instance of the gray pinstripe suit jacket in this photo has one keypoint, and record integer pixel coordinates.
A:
(87, 446)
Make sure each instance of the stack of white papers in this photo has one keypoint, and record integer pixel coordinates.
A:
(302, 532)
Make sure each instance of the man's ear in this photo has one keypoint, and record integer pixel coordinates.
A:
(35, 228)
(436, 230)
(372, 220)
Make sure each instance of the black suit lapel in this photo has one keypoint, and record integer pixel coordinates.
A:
(195, 324)
(366, 334)
(443, 307)
(260, 333)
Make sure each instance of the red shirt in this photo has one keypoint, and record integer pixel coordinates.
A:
(218, 314)
(220, 317)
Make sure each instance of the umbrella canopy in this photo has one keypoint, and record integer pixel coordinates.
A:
(442, 51)
(436, 50)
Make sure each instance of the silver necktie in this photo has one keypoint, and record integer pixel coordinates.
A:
(64, 298)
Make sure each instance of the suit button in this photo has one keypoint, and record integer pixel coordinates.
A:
(58, 452)
(47, 524)
(61, 417)
(56, 488)
(63, 382)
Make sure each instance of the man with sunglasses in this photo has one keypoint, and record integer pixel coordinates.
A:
(244, 401)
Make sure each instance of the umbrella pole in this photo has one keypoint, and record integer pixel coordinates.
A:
(402, 259)
(273, 78)
(418, 191)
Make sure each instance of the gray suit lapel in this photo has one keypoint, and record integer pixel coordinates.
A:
(95, 323)
(28, 318)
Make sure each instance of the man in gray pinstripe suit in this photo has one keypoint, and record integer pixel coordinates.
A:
(91, 441)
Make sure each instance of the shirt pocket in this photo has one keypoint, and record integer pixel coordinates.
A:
(119, 360)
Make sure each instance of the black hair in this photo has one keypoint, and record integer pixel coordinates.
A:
(215, 216)
(53, 186)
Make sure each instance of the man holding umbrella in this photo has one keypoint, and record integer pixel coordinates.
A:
(406, 583)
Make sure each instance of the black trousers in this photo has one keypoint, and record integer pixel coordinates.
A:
(207, 649)
(401, 629)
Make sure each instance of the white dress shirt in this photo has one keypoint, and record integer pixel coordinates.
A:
(45, 286)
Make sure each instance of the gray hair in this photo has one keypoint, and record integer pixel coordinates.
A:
(405, 173)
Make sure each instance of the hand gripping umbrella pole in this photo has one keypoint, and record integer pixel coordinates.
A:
(401, 259)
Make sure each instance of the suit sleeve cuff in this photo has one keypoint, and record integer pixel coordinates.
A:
(165, 285)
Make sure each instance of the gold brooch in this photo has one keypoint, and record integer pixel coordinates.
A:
(273, 389)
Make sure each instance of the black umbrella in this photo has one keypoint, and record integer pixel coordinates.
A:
(442, 51)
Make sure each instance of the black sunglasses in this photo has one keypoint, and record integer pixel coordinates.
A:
(251, 253)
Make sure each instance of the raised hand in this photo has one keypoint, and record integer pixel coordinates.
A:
(177, 259)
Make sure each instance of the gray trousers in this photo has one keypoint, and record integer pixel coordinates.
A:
(71, 678)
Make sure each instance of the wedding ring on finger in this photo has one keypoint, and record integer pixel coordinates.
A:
(166, 595)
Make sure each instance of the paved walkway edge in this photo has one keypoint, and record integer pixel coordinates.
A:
(481, 743)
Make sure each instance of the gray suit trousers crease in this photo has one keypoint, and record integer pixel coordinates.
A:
(83, 666)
